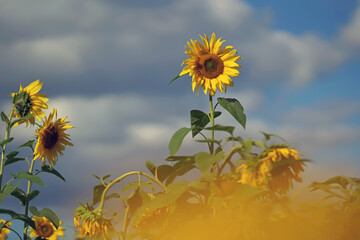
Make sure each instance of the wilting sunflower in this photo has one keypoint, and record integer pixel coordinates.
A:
(52, 138)
(29, 101)
(96, 227)
(46, 230)
(210, 65)
(4, 231)
(275, 171)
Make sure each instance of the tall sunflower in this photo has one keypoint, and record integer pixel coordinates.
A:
(52, 138)
(210, 65)
(29, 101)
(4, 231)
(275, 171)
(46, 230)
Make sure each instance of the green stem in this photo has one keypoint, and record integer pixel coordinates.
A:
(126, 222)
(27, 195)
(228, 157)
(212, 123)
(7, 135)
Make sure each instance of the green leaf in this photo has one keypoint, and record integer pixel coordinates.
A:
(174, 79)
(46, 212)
(7, 211)
(11, 158)
(6, 141)
(106, 176)
(247, 144)
(151, 166)
(204, 160)
(30, 177)
(25, 219)
(269, 135)
(7, 190)
(177, 139)
(33, 194)
(4, 118)
(19, 194)
(51, 170)
(199, 120)
(179, 158)
(20, 119)
(163, 171)
(217, 127)
(136, 184)
(234, 107)
(28, 144)
(97, 193)
(209, 141)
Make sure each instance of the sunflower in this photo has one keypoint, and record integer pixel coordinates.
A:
(275, 171)
(52, 138)
(95, 226)
(209, 65)
(29, 101)
(4, 231)
(46, 230)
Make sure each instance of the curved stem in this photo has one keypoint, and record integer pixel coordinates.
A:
(119, 179)
(126, 222)
(212, 123)
(228, 158)
(7, 135)
(27, 195)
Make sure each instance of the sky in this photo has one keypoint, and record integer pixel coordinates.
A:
(107, 64)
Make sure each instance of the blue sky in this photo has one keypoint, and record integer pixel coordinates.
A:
(106, 65)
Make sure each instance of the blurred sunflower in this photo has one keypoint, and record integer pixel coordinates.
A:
(29, 101)
(4, 231)
(52, 138)
(94, 225)
(275, 171)
(209, 65)
(46, 230)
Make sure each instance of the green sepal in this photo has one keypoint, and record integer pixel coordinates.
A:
(234, 107)
(51, 170)
(30, 177)
(48, 213)
(174, 79)
(177, 139)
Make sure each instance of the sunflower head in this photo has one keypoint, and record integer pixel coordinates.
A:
(210, 65)
(275, 171)
(4, 231)
(46, 230)
(52, 138)
(29, 101)
(91, 222)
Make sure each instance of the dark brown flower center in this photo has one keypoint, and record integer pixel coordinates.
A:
(45, 230)
(210, 66)
(50, 137)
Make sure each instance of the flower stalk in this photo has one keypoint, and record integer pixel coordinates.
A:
(211, 123)
(31, 169)
(7, 135)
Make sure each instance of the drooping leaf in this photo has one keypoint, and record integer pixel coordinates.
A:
(234, 107)
(7, 190)
(19, 194)
(30, 177)
(177, 139)
(217, 127)
(6, 141)
(163, 171)
(51, 170)
(269, 135)
(97, 193)
(28, 144)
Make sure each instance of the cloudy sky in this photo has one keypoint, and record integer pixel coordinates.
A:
(106, 65)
